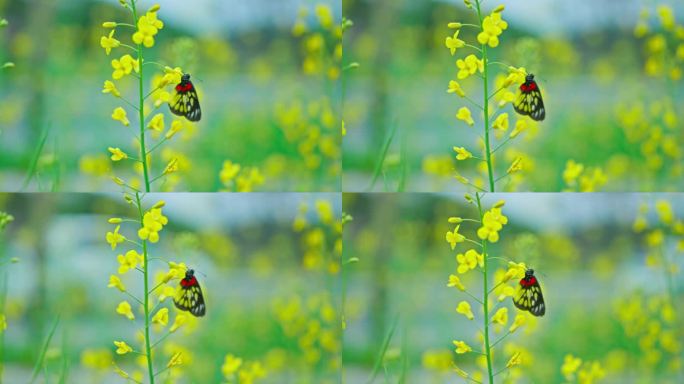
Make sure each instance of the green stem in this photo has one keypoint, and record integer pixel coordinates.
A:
(141, 112)
(485, 78)
(146, 305)
(485, 298)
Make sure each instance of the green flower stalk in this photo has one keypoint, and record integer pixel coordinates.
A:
(145, 28)
(495, 124)
(479, 257)
(148, 224)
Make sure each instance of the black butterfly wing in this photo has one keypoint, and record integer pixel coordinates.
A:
(190, 299)
(530, 103)
(531, 299)
(186, 103)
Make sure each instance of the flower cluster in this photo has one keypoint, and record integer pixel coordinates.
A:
(574, 370)
(236, 178)
(495, 123)
(237, 371)
(313, 325)
(150, 125)
(577, 178)
(313, 127)
(651, 125)
(490, 223)
(156, 318)
(321, 237)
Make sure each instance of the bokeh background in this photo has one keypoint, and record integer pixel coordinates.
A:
(603, 260)
(610, 71)
(268, 265)
(269, 92)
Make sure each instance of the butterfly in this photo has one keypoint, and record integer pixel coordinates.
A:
(189, 295)
(185, 102)
(530, 102)
(529, 296)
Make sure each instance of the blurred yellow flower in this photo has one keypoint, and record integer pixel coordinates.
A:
(455, 87)
(122, 348)
(664, 210)
(516, 166)
(176, 126)
(469, 66)
(3, 322)
(252, 179)
(117, 154)
(462, 153)
(115, 282)
(570, 366)
(157, 123)
(175, 360)
(229, 171)
(171, 167)
(469, 260)
(514, 360)
(161, 317)
(461, 347)
(464, 309)
(179, 321)
(119, 114)
(455, 281)
(124, 308)
(520, 127)
(114, 238)
(109, 87)
(454, 43)
(501, 122)
(518, 322)
(465, 115)
(230, 366)
(501, 316)
(453, 237)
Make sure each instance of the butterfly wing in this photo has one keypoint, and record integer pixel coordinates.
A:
(530, 298)
(189, 298)
(186, 103)
(530, 103)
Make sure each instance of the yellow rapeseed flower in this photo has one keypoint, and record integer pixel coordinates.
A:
(114, 238)
(117, 154)
(119, 114)
(492, 27)
(161, 317)
(453, 237)
(469, 260)
(124, 66)
(468, 66)
(109, 42)
(455, 281)
(465, 115)
(454, 43)
(501, 316)
(124, 308)
(230, 366)
(464, 309)
(109, 87)
(115, 282)
(157, 122)
(461, 347)
(462, 153)
(455, 87)
(122, 348)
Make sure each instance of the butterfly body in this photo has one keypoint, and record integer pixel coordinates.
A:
(185, 101)
(189, 295)
(529, 101)
(529, 296)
